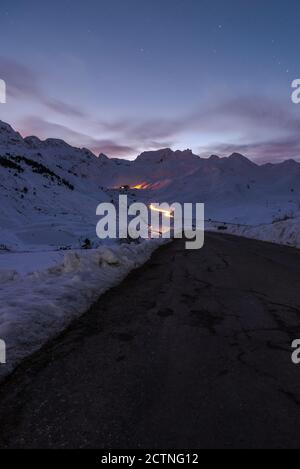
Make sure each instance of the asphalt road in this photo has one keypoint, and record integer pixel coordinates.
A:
(193, 350)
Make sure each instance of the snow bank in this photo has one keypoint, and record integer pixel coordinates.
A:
(37, 306)
(280, 232)
(27, 262)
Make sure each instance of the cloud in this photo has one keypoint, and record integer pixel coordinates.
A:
(22, 81)
(265, 129)
(63, 108)
(257, 125)
(256, 112)
(262, 152)
(148, 130)
(247, 115)
(111, 148)
(268, 130)
(45, 129)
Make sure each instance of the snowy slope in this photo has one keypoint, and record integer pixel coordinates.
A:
(37, 306)
(48, 193)
(233, 189)
(280, 232)
(49, 190)
(237, 190)
(151, 169)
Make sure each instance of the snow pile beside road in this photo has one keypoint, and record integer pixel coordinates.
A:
(280, 232)
(37, 306)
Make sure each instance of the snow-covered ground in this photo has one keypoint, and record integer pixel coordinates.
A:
(281, 232)
(49, 192)
(36, 305)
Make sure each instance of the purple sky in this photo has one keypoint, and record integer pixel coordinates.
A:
(121, 77)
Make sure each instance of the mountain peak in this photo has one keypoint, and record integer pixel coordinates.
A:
(214, 158)
(289, 162)
(4, 127)
(103, 157)
(8, 134)
(238, 157)
(32, 141)
(155, 155)
(166, 154)
(56, 142)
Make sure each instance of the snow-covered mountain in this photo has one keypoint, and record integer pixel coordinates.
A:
(233, 189)
(236, 189)
(151, 169)
(49, 190)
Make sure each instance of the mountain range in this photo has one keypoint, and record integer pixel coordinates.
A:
(49, 190)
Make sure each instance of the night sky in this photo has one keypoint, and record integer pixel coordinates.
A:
(123, 76)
